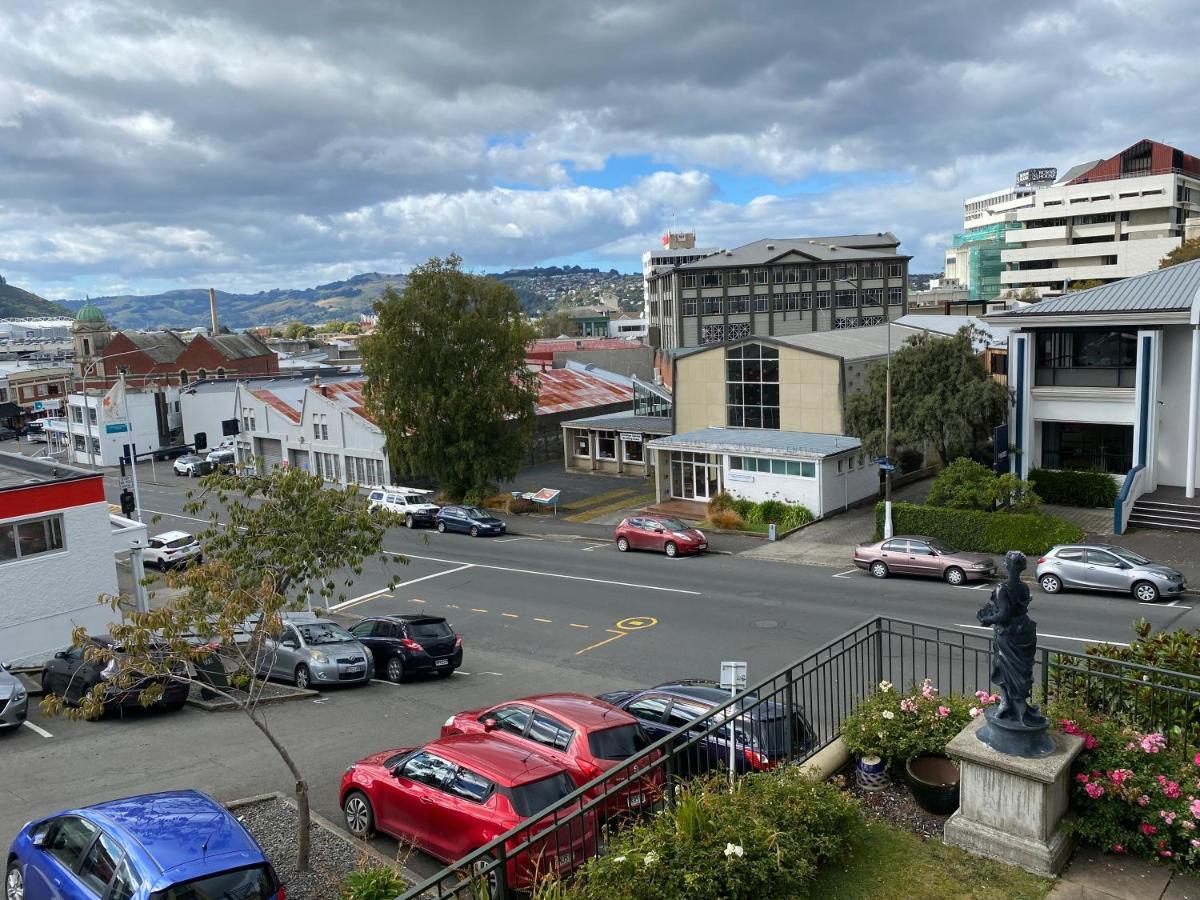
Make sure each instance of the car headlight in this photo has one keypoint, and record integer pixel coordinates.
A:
(448, 722)
(318, 657)
(982, 565)
(1161, 575)
(19, 694)
(109, 671)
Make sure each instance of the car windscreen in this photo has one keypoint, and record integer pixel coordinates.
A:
(250, 883)
(428, 630)
(621, 742)
(535, 796)
(180, 542)
(414, 498)
(474, 512)
(1129, 556)
(324, 633)
(674, 525)
(940, 547)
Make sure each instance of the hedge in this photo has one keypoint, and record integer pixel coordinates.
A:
(983, 532)
(1075, 488)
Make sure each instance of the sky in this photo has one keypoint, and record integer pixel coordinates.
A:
(244, 145)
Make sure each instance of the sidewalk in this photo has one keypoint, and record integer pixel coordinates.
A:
(1103, 876)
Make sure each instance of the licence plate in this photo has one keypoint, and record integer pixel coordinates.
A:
(565, 859)
(704, 546)
(354, 670)
(441, 662)
(635, 799)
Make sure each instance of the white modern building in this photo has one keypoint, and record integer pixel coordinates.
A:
(678, 247)
(57, 546)
(1108, 379)
(96, 435)
(1105, 220)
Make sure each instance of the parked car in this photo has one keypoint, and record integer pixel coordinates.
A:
(662, 533)
(14, 700)
(72, 676)
(168, 846)
(1105, 567)
(172, 548)
(585, 735)
(915, 554)
(222, 456)
(163, 454)
(761, 742)
(404, 646)
(456, 794)
(8, 434)
(192, 465)
(409, 504)
(313, 653)
(467, 519)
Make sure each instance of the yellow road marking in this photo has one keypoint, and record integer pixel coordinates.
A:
(547, 621)
(616, 636)
(635, 622)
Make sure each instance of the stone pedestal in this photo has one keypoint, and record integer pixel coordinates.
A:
(1010, 807)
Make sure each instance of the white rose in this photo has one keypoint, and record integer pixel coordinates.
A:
(885, 685)
(888, 714)
(732, 850)
(618, 859)
(650, 858)
(975, 710)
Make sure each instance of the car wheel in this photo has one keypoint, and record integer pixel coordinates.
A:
(14, 882)
(1051, 584)
(360, 818)
(1145, 592)
(474, 531)
(441, 527)
(622, 544)
(485, 875)
(879, 569)
(395, 669)
(954, 575)
(670, 549)
(302, 677)
(46, 689)
(408, 521)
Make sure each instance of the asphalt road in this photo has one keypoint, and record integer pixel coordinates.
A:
(536, 615)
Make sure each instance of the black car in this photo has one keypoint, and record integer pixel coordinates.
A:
(404, 646)
(163, 454)
(762, 733)
(8, 434)
(468, 519)
(70, 676)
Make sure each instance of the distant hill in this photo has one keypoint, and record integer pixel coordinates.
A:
(16, 303)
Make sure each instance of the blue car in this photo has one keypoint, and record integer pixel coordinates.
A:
(468, 519)
(178, 845)
(762, 736)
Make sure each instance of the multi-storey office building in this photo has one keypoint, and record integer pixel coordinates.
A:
(678, 247)
(778, 287)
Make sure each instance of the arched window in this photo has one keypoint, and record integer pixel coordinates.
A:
(183, 377)
(202, 374)
(221, 372)
(87, 347)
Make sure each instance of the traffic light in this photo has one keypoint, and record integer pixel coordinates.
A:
(201, 441)
(127, 505)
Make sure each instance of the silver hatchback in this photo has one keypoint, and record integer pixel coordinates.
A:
(313, 653)
(1105, 567)
(14, 700)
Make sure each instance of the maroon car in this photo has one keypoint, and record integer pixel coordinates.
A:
(662, 533)
(915, 554)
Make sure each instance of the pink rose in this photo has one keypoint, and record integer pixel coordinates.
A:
(1153, 743)
(1143, 800)
(1168, 817)
(1117, 848)
(1095, 791)
(943, 711)
(983, 695)
(1082, 778)
(1070, 727)
(1195, 842)
(1165, 854)
(1119, 776)
(1089, 742)
(1171, 790)
(1195, 808)
(975, 712)
(1197, 759)
(908, 705)
(1148, 829)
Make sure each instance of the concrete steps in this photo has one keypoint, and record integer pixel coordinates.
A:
(1165, 516)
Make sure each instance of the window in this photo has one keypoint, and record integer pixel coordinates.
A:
(92, 414)
(70, 837)
(793, 275)
(823, 273)
(688, 281)
(822, 299)
(895, 270)
(124, 884)
(100, 864)
(777, 302)
(777, 276)
(512, 719)
(752, 386)
(1087, 446)
(737, 330)
(362, 470)
(427, 769)
(77, 415)
(873, 296)
(606, 444)
(761, 302)
(684, 714)
(550, 732)
(712, 334)
(649, 708)
(202, 374)
(470, 786)
(789, 467)
(1100, 558)
(806, 301)
(896, 296)
(248, 423)
(737, 279)
(839, 272)
(320, 427)
(582, 444)
(30, 537)
(326, 465)
(739, 304)
(1086, 357)
(847, 299)
(791, 300)
(634, 451)
(710, 279)
(760, 276)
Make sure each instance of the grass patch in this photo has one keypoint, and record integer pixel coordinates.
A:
(888, 862)
(627, 502)
(596, 499)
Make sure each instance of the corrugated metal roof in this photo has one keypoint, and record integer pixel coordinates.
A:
(755, 440)
(238, 346)
(624, 422)
(1163, 290)
(562, 390)
(278, 403)
(997, 335)
(160, 346)
(840, 247)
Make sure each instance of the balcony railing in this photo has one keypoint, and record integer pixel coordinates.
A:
(1085, 376)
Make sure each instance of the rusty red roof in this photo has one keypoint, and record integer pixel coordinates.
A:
(545, 349)
(562, 390)
(348, 394)
(277, 404)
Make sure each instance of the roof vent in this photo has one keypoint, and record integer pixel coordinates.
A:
(729, 253)
(770, 246)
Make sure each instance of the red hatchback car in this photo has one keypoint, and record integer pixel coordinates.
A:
(585, 735)
(663, 533)
(456, 794)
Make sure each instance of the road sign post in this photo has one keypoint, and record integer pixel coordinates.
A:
(733, 677)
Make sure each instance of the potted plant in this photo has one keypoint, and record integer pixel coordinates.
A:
(933, 779)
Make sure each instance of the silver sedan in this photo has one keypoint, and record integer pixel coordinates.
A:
(1106, 567)
(14, 700)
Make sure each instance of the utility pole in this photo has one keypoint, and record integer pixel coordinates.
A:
(887, 440)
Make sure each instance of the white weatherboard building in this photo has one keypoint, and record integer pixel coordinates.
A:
(1108, 380)
(96, 436)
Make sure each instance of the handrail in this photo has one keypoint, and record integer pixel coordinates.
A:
(1120, 515)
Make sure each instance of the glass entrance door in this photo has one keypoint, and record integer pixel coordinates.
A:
(695, 476)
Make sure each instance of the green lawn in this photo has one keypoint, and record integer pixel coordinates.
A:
(890, 862)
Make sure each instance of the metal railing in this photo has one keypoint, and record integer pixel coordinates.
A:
(786, 719)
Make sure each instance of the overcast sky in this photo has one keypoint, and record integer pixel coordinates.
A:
(248, 145)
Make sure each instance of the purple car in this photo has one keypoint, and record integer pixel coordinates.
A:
(914, 554)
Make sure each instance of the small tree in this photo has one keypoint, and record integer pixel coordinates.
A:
(282, 534)
(966, 484)
(1185, 252)
(447, 380)
(553, 324)
(1029, 293)
(295, 330)
(1086, 284)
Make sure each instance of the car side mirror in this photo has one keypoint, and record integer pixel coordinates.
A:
(290, 642)
(658, 529)
(38, 838)
(489, 725)
(933, 553)
(61, 654)
(1126, 565)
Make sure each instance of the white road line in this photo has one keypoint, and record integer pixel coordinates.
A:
(628, 584)
(593, 547)
(37, 730)
(1061, 637)
(509, 540)
(416, 600)
(845, 574)
(354, 601)
(435, 574)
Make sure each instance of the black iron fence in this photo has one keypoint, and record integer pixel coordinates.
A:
(787, 719)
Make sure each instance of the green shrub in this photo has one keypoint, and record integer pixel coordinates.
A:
(374, 883)
(765, 840)
(966, 484)
(771, 511)
(1075, 488)
(748, 510)
(894, 726)
(795, 517)
(910, 460)
(969, 529)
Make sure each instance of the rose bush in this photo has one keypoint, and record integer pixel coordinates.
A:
(894, 726)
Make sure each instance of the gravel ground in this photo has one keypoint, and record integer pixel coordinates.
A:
(896, 806)
(332, 857)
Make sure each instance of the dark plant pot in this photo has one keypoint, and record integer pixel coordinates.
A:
(933, 778)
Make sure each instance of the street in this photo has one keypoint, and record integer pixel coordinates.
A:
(536, 615)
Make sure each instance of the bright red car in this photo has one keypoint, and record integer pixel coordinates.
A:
(663, 533)
(585, 735)
(456, 794)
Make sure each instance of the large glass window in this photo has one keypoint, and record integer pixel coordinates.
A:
(647, 402)
(30, 537)
(606, 444)
(1086, 357)
(752, 386)
(1087, 446)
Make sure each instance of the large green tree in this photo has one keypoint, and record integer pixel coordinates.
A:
(447, 380)
(1185, 252)
(942, 396)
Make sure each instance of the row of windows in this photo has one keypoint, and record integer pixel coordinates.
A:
(798, 468)
(31, 537)
(793, 274)
(606, 447)
(201, 374)
(792, 300)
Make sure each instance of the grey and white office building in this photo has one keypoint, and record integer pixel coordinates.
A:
(775, 287)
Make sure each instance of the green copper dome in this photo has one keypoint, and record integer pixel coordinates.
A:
(89, 312)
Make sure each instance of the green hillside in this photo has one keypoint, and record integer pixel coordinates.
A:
(16, 303)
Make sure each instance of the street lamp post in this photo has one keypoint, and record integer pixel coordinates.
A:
(887, 440)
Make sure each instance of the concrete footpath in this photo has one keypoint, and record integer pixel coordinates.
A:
(1104, 876)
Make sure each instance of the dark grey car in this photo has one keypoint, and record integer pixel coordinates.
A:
(1106, 567)
(14, 700)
